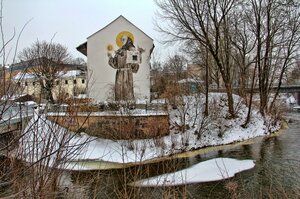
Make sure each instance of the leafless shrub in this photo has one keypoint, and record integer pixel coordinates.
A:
(202, 127)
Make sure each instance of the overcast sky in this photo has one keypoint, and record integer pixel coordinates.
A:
(72, 21)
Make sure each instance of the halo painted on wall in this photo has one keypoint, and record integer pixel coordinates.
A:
(121, 34)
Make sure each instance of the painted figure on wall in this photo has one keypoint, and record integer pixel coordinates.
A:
(126, 60)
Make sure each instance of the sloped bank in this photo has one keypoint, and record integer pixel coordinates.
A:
(189, 130)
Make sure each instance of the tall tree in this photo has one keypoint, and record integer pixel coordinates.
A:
(46, 61)
(244, 44)
(78, 61)
(207, 23)
(276, 26)
(200, 55)
(176, 64)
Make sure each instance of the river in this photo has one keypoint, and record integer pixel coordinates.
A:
(276, 174)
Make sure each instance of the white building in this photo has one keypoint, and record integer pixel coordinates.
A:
(70, 83)
(118, 55)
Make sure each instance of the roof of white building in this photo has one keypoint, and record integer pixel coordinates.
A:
(83, 47)
(70, 73)
(61, 74)
(23, 76)
(118, 18)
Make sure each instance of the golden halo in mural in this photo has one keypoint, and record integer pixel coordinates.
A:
(121, 34)
(109, 47)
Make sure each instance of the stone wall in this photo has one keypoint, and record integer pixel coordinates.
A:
(116, 127)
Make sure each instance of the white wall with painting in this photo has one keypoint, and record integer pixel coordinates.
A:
(104, 46)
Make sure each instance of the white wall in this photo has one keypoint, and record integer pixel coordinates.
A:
(101, 75)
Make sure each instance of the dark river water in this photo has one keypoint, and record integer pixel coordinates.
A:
(276, 173)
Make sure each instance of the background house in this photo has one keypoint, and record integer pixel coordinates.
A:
(70, 82)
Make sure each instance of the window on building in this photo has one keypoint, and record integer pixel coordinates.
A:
(33, 83)
(83, 81)
(134, 57)
(26, 83)
(74, 81)
(66, 81)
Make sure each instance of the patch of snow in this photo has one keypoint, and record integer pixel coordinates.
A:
(159, 101)
(12, 97)
(190, 80)
(141, 101)
(296, 107)
(49, 144)
(210, 170)
(30, 103)
(81, 96)
(69, 74)
(24, 76)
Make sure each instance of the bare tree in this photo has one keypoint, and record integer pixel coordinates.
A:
(244, 44)
(46, 61)
(276, 26)
(29, 158)
(207, 23)
(78, 61)
(176, 65)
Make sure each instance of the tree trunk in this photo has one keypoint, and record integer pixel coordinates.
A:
(250, 100)
(48, 91)
(206, 83)
(242, 86)
(230, 100)
(263, 100)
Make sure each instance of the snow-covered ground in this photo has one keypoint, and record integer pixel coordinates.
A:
(210, 170)
(296, 107)
(189, 130)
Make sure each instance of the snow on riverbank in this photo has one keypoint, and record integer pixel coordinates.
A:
(207, 171)
(189, 130)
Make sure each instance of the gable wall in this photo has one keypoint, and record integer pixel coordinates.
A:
(102, 75)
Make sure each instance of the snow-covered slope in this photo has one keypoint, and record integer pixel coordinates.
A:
(189, 130)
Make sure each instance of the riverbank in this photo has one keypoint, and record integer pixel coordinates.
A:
(103, 165)
(189, 130)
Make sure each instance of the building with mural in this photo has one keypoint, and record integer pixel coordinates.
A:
(118, 59)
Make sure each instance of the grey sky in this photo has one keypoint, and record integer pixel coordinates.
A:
(73, 20)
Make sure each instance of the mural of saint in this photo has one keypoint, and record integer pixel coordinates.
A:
(126, 60)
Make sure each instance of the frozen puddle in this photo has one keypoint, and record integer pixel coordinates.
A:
(210, 170)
